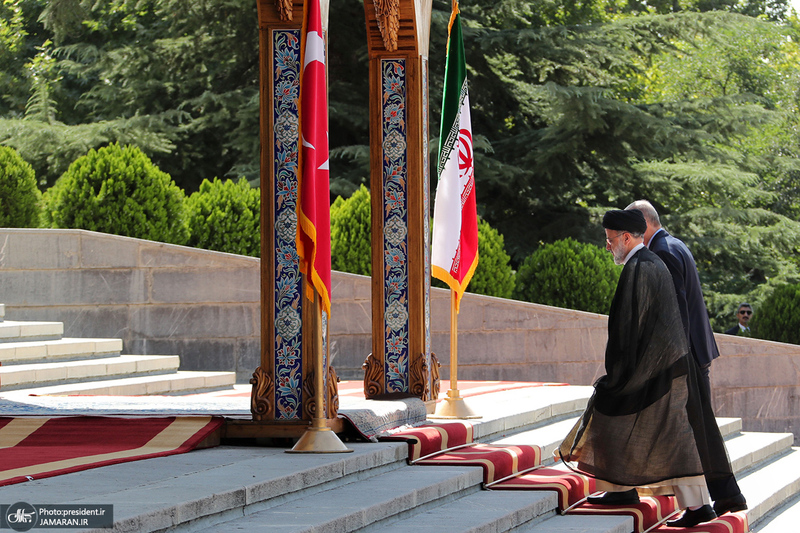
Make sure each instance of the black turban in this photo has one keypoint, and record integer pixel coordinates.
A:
(631, 220)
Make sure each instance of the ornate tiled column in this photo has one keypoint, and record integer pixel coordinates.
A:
(282, 399)
(401, 359)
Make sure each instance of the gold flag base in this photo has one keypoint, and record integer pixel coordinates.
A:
(318, 439)
(454, 407)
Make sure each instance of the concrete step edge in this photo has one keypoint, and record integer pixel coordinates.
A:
(13, 330)
(748, 450)
(580, 524)
(478, 512)
(780, 519)
(356, 506)
(218, 495)
(14, 377)
(544, 404)
(169, 383)
(549, 436)
(64, 349)
(772, 484)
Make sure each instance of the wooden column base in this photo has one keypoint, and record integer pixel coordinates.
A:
(248, 429)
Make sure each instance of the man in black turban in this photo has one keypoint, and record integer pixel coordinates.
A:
(636, 435)
(724, 489)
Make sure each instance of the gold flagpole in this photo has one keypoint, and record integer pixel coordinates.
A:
(454, 406)
(318, 438)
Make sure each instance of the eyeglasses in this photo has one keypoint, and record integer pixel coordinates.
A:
(745, 312)
(614, 237)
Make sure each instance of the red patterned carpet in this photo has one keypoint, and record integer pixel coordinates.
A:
(44, 446)
(39, 447)
(519, 467)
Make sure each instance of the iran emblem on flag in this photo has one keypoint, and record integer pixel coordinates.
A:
(454, 255)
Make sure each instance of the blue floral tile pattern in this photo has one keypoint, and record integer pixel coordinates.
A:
(288, 308)
(395, 224)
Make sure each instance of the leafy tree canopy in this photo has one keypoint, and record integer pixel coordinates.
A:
(576, 107)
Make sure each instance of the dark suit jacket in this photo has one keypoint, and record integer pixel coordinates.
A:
(734, 330)
(681, 265)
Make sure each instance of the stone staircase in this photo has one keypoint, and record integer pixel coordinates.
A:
(260, 489)
(37, 359)
(395, 497)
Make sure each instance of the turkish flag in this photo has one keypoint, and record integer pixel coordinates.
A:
(313, 208)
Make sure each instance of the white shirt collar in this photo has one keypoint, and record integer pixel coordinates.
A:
(633, 251)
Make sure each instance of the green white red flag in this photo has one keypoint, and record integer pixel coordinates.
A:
(454, 253)
(313, 206)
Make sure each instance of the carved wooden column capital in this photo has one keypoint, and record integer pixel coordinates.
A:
(388, 15)
(284, 9)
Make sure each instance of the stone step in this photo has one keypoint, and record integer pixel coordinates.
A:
(40, 375)
(207, 487)
(771, 485)
(531, 407)
(14, 331)
(550, 435)
(785, 519)
(182, 382)
(480, 512)
(581, 524)
(747, 449)
(65, 349)
(370, 502)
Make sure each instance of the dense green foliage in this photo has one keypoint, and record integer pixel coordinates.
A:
(19, 195)
(778, 316)
(569, 274)
(350, 233)
(351, 250)
(118, 190)
(177, 78)
(493, 276)
(225, 216)
(577, 107)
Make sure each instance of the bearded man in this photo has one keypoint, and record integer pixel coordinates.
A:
(642, 431)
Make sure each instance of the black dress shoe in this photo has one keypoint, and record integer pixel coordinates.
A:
(628, 497)
(692, 518)
(730, 505)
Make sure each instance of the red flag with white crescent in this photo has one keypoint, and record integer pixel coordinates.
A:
(313, 208)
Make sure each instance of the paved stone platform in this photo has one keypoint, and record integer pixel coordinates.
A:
(242, 486)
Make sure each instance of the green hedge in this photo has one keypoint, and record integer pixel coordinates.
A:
(493, 275)
(778, 316)
(225, 216)
(351, 250)
(569, 274)
(20, 198)
(118, 190)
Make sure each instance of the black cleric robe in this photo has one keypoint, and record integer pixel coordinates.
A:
(646, 422)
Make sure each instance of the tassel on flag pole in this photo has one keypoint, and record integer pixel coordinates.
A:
(313, 217)
(454, 254)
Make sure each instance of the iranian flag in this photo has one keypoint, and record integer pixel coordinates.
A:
(313, 206)
(455, 220)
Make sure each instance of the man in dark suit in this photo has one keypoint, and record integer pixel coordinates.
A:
(743, 314)
(680, 262)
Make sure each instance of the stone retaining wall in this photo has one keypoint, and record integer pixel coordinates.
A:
(163, 299)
